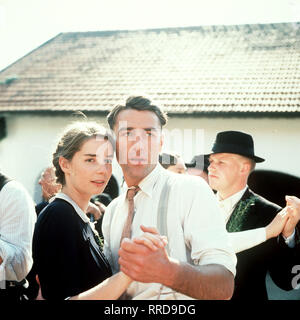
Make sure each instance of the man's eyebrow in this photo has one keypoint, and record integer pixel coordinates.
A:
(90, 154)
(131, 128)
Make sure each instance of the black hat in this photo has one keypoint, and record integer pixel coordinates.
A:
(199, 161)
(235, 142)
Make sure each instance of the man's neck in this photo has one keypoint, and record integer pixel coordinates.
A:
(132, 179)
(225, 194)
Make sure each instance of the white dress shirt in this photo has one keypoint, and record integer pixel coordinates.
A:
(244, 240)
(17, 220)
(194, 220)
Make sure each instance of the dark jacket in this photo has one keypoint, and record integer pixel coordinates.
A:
(67, 257)
(253, 211)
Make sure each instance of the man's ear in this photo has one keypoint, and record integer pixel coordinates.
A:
(64, 164)
(246, 167)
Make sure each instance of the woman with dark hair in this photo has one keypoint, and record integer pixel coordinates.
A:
(66, 248)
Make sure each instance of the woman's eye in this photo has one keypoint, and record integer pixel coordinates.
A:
(90, 160)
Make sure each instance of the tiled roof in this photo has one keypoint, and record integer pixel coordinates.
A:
(242, 68)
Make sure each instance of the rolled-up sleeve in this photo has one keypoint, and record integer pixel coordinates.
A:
(205, 231)
(17, 220)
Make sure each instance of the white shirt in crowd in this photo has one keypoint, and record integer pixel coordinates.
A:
(245, 239)
(194, 219)
(17, 220)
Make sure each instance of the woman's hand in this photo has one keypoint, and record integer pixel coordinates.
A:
(275, 227)
(151, 238)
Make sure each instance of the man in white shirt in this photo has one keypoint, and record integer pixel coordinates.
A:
(231, 161)
(200, 263)
(17, 219)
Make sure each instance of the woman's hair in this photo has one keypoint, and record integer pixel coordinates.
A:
(72, 140)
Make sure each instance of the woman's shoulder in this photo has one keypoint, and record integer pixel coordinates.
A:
(58, 210)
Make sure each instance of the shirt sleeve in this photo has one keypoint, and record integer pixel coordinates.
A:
(244, 240)
(205, 230)
(290, 241)
(17, 219)
(106, 223)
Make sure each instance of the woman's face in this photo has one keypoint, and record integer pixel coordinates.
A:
(90, 168)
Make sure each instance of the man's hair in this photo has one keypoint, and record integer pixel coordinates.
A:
(139, 103)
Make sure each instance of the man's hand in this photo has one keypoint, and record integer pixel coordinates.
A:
(151, 238)
(136, 259)
(1, 260)
(294, 215)
(143, 264)
(97, 209)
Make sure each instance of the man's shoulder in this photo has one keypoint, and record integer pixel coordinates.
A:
(14, 185)
(185, 180)
(15, 191)
(264, 203)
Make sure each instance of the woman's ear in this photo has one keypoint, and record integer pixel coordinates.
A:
(64, 164)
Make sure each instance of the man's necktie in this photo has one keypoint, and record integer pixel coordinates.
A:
(132, 191)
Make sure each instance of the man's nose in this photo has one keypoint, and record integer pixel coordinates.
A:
(211, 167)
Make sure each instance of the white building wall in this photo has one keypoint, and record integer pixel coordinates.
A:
(276, 140)
(31, 139)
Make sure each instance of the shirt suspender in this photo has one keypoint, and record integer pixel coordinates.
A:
(162, 212)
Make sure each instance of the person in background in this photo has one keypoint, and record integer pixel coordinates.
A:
(49, 187)
(198, 166)
(17, 219)
(172, 162)
(247, 214)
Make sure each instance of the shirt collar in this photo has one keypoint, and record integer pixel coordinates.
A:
(230, 203)
(79, 211)
(147, 184)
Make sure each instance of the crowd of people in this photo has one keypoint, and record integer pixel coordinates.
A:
(178, 231)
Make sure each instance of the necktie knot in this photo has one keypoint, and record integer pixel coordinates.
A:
(132, 191)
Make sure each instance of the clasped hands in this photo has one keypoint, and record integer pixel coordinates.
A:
(145, 258)
(286, 220)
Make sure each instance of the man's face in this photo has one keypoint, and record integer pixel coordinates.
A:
(48, 184)
(223, 171)
(138, 142)
(179, 167)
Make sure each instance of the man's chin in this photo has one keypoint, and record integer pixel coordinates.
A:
(138, 162)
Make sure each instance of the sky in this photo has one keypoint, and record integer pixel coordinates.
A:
(27, 24)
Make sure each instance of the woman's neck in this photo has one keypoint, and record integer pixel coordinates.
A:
(82, 200)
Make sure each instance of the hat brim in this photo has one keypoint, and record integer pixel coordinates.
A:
(254, 158)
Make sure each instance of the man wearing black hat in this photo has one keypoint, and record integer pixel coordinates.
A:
(231, 161)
